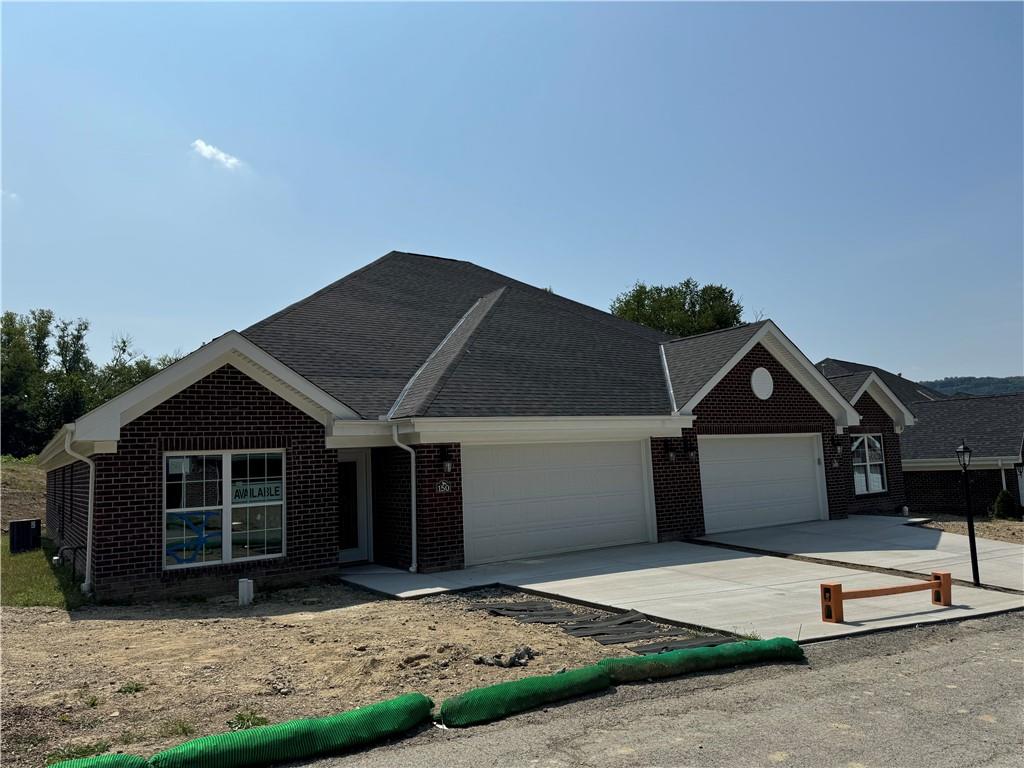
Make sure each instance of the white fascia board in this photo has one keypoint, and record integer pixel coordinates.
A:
(887, 399)
(54, 454)
(977, 462)
(543, 429)
(105, 422)
(522, 429)
(794, 361)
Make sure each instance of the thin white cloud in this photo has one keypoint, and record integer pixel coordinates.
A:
(215, 154)
(12, 196)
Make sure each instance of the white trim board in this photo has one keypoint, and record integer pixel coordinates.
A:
(887, 400)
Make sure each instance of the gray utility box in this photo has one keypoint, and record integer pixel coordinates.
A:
(25, 535)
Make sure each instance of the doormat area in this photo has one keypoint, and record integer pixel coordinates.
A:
(616, 629)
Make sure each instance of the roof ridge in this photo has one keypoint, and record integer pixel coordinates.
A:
(627, 326)
(972, 397)
(445, 372)
(717, 330)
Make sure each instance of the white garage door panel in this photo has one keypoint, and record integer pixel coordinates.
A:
(527, 500)
(751, 482)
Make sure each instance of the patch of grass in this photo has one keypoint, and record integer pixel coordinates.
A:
(75, 751)
(246, 718)
(131, 736)
(177, 727)
(132, 686)
(30, 578)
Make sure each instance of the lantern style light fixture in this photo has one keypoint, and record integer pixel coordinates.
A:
(446, 460)
(963, 455)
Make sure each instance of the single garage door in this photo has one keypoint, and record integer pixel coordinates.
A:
(527, 500)
(752, 482)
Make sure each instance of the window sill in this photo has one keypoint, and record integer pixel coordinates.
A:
(219, 563)
(870, 494)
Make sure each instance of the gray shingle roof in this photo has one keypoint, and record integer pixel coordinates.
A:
(908, 391)
(362, 338)
(849, 384)
(693, 360)
(993, 427)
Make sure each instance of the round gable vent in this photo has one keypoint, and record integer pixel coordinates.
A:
(762, 384)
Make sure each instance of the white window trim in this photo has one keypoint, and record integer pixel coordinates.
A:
(869, 463)
(226, 558)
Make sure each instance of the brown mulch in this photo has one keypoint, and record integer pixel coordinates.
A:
(984, 527)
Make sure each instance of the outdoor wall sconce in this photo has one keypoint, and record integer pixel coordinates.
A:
(837, 443)
(672, 456)
(691, 454)
(446, 461)
(1020, 469)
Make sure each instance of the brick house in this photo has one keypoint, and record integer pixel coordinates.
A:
(921, 462)
(430, 414)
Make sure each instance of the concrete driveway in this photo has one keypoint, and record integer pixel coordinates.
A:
(888, 542)
(702, 585)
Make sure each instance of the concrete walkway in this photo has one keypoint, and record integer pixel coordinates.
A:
(888, 542)
(703, 585)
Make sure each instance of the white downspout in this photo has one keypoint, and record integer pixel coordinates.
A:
(1002, 473)
(412, 489)
(87, 584)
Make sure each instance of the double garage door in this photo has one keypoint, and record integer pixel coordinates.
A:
(528, 500)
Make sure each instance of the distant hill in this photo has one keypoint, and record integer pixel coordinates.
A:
(977, 385)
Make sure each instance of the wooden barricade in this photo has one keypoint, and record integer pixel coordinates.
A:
(833, 596)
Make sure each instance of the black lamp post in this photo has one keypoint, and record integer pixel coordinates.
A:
(963, 456)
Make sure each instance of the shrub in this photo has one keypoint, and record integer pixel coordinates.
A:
(132, 686)
(1006, 506)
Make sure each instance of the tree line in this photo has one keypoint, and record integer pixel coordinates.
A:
(47, 378)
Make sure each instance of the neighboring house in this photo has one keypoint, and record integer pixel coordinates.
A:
(430, 414)
(908, 391)
(876, 458)
(992, 426)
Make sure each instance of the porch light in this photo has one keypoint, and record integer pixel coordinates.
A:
(446, 461)
(963, 455)
(1019, 466)
(672, 456)
(691, 454)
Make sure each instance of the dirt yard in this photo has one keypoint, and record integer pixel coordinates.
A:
(984, 527)
(193, 667)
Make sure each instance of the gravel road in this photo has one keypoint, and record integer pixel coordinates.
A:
(948, 695)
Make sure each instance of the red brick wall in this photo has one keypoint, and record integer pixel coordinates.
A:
(224, 411)
(438, 514)
(943, 491)
(67, 509)
(677, 495)
(874, 420)
(731, 408)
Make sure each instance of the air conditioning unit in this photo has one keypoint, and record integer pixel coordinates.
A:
(25, 535)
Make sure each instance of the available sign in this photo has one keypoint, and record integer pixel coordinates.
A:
(256, 493)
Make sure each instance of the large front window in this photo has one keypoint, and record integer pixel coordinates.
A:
(868, 464)
(223, 507)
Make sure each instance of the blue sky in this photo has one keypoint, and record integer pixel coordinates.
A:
(853, 171)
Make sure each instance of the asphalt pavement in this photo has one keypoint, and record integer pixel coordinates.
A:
(929, 697)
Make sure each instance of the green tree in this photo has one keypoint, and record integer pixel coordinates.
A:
(679, 310)
(24, 355)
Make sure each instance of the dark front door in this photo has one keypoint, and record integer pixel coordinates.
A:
(348, 504)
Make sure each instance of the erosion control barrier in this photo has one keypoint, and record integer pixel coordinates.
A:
(494, 702)
(299, 739)
(628, 670)
(104, 761)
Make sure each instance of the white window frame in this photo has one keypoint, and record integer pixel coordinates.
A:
(868, 463)
(225, 553)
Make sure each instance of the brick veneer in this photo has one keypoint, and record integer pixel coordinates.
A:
(67, 509)
(224, 411)
(678, 505)
(439, 531)
(874, 420)
(943, 491)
